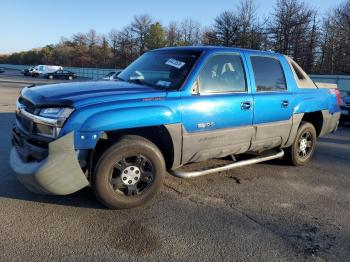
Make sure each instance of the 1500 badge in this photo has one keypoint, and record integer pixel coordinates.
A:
(204, 125)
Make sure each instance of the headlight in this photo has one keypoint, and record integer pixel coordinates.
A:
(52, 120)
(56, 112)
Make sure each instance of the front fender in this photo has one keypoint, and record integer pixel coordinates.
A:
(129, 118)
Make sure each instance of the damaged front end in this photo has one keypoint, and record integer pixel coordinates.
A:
(44, 162)
(58, 174)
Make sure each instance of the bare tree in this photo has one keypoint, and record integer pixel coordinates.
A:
(225, 28)
(311, 46)
(140, 27)
(190, 31)
(247, 23)
(105, 50)
(209, 37)
(80, 49)
(240, 28)
(113, 39)
(292, 31)
(341, 27)
(93, 40)
(127, 46)
(173, 34)
(79, 39)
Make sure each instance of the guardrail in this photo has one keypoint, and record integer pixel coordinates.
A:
(342, 81)
(93, 73)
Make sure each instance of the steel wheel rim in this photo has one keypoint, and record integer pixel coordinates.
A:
(305, 145)
(135, 168)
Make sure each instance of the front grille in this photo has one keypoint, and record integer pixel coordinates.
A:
(25, 123)
(29, 149)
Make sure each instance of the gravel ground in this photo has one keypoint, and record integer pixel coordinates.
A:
(266, 212)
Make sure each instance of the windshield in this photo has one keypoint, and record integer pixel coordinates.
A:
(161, 69)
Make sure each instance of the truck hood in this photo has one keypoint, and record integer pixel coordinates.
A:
(82, 93)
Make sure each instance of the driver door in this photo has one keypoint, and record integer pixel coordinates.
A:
(218, 121)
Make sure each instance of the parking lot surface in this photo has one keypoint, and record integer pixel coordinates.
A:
(266, 212)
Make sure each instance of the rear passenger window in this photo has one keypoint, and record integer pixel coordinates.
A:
(268, 74)
(223, 73)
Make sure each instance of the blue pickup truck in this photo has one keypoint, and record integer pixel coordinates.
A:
(169, 108)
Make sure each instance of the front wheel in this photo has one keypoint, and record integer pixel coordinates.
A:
(51, 77)
(70, 77)
(129, 173)
(303, 147)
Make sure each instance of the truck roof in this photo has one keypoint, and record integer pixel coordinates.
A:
(217, 48)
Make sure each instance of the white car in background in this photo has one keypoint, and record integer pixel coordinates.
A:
(112, 75)
(41, 70)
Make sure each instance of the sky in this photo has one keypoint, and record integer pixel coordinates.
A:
(30, 24)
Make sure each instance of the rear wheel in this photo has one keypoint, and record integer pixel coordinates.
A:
(303, 147)
(129, 173)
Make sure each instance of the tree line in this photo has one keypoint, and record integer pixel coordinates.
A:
(320, 44)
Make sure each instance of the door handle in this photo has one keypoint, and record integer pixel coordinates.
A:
(284, 103)
(247, 105)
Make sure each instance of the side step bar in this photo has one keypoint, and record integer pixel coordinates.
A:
(183, 174)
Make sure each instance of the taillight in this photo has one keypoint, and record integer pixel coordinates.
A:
(336, 92)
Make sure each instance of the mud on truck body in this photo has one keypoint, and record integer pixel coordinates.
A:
(169, 108)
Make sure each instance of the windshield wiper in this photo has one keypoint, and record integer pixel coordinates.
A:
(140, 82)
(119, 78)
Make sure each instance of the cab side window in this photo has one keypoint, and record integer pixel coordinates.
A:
(223, 73)
(268, 74)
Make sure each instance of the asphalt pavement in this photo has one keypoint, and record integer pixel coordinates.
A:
(265, 212)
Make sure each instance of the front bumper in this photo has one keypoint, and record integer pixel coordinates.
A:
(58, 174)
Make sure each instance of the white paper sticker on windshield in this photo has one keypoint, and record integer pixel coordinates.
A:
(163, 83)
(175, 63)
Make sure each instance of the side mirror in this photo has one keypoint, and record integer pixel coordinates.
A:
(195, 87)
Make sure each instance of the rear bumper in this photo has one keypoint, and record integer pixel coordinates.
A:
(58, 174)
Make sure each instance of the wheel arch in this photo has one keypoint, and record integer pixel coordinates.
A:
(165, 137)
(314, 118)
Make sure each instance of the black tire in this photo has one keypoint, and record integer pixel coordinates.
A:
(50, 77)
(70, 78)
(107, 183)
(298, 154)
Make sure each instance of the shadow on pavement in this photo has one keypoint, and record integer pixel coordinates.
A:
(334, 141)
(10, 187)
